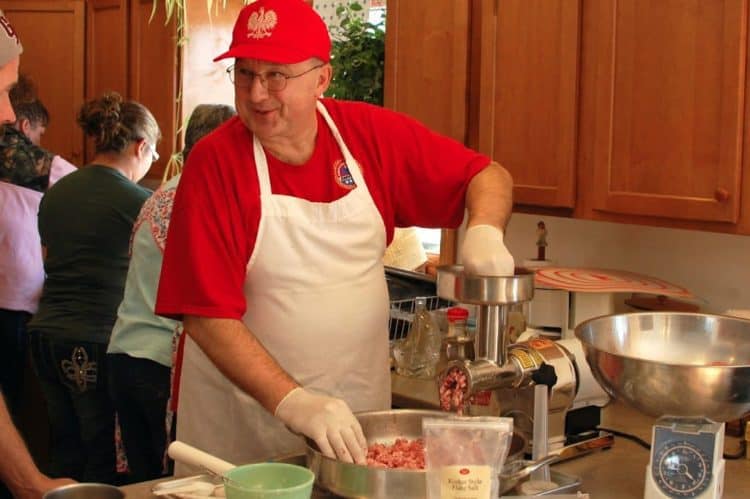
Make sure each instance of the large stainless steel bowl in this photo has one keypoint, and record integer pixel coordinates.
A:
(671, 363)
(85, 491)
(354, 480)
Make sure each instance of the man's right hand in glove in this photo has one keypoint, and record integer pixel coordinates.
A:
(326, 420)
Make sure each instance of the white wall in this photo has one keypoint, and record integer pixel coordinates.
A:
(715, 267)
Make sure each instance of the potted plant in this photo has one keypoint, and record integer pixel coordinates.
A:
(357, 56)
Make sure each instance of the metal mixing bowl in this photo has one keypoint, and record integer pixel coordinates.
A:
(85, 491)
(672, 363)
(355, 480)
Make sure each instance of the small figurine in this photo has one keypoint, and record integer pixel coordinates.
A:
(541, 241)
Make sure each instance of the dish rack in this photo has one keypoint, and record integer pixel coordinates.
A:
(402, 314)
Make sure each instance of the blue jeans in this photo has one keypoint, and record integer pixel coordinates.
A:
(73, 378)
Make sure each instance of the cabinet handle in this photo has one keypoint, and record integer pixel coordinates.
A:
(721, 195)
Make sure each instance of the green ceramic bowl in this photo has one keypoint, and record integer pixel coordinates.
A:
(269, 481)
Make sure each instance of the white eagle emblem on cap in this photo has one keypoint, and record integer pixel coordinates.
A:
(260, 23)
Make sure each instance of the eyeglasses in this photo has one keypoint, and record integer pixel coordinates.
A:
(273, 81)
(154, 154)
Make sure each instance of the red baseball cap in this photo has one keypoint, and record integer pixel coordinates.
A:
(281, 31)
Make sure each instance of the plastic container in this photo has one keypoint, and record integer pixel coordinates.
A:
(457, 317)
(269, 481)
(457, 344)
(418, 354)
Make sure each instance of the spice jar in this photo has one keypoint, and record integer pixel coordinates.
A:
(457, 344)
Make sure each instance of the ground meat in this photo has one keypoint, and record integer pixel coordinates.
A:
(403, 453)
(453, 391)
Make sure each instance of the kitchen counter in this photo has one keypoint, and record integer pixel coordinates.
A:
(620, 473)
(617, 473)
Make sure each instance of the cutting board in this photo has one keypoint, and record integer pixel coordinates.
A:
(605, 281)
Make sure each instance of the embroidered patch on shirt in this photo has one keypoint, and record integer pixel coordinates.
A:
(343, 175)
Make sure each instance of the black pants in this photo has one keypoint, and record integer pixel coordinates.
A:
(73, 378)
(13, 350)
(140, 390)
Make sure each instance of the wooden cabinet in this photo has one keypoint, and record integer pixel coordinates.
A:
(75, 50)
(426, 62)
(629, 111)
(52, 34)
(526, 99)
(427, 57)
(154, 73)
(107, 40)
(137, 56)
(663, 107)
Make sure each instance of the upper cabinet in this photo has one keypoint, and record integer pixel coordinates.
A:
(663, 106)
(52, 33)
(631, 111)
(75, 50)
(154, 73)
(137, 56)
(526, 98)
(427, 62)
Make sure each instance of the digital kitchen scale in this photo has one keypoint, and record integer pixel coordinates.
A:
(686, 459)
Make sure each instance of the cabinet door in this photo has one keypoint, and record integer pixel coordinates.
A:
(527, 95)
(106, 51)
(663, 102)
(106, 47)
(426, 62)
(426, 71)
(154, 73)
(54, 27)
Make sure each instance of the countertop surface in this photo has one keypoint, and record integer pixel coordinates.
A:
(617, 473)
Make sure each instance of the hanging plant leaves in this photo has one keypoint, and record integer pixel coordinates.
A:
(357, 57)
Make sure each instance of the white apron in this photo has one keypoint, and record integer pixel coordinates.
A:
(317, 299)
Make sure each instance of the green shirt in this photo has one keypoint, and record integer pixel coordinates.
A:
(85, 221)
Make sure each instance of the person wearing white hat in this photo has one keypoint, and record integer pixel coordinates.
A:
(17, 468)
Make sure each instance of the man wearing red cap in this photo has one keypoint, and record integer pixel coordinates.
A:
(274, 253)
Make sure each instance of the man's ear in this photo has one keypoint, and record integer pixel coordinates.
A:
(324, 79)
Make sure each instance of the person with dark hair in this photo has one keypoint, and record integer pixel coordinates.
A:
(140, 352)
(85, 222)
(275, 248)
(32, 117)
(18, 471)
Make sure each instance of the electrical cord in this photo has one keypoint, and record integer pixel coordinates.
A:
(627, 436)
(738, 455)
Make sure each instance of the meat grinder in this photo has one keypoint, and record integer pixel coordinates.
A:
(501, 377)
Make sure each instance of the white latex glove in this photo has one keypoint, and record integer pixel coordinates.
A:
(484, 253)
(326, 420)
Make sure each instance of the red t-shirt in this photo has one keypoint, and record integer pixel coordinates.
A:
(415, 176)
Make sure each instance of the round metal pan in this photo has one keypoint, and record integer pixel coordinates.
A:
(359, 481)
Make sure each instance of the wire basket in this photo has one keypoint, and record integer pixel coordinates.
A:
(402, 314)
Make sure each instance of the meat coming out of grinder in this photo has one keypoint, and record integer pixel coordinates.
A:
(453, 391)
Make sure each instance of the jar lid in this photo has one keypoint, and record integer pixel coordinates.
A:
(457, 314)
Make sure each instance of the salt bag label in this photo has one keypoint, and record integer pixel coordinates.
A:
(465, 482)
